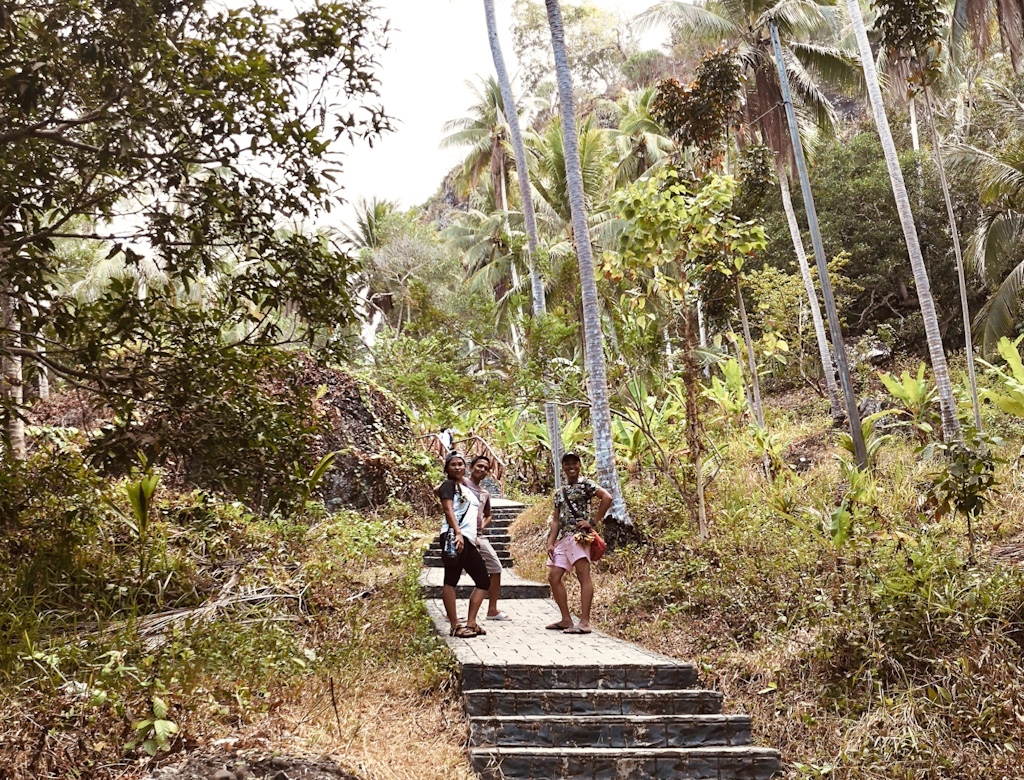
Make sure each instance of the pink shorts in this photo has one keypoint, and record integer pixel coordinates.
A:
(567, 552)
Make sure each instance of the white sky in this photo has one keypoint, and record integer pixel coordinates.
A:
(436, 45)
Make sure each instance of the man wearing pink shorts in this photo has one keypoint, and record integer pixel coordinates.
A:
(571, 517)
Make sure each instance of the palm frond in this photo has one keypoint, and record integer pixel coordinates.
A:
(797, 18)
(1001, 313)
(691, 18)
(997, 234)
(839, 68)
(803, 86)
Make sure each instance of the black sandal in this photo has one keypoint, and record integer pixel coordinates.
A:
(463, 632)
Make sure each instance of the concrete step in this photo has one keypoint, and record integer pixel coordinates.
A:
(610, 731)
(465, 589)
(433, 560)
(655, 677)
(720, 763)
(512, 587)
(496, 536)
(598, 701)
(499, 545)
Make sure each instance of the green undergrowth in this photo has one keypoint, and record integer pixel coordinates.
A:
(871, 648)
(117, 646)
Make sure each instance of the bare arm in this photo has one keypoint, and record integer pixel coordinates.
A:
(552, 532)
(602, 508)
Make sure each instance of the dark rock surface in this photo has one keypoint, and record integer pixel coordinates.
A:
(236, 766)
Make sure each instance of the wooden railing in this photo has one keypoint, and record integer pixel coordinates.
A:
(470, 446)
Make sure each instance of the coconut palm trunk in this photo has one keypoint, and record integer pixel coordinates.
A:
(852, 413)
(954, 232)
(827, 366)
(529, 217)
(950, 423)
(597, 380)
(12, 384)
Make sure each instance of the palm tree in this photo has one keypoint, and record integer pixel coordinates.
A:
(368, 232)
(950, 423)
(640, 142)
(745, 27)
(597, 380)
(907, 50)
(1000, 231)
(596, 157)
(529, 216)
(975, 16)
(485, 131)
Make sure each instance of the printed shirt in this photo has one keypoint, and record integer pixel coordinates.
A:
(573, 505)
(466, 506)
(483, 496)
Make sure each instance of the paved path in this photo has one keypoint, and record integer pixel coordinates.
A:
(544, 705)
(524, 640)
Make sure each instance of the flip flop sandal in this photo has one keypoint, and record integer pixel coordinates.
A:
(557, 627)
(464, 632)
(577, 630)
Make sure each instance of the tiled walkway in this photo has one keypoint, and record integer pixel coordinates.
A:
(544, 705)
(524, 640)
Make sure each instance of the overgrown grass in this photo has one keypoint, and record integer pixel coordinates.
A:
(887, 657)
(304, 634)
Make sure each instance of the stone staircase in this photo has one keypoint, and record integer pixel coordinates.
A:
(544, 705)
(503, 512)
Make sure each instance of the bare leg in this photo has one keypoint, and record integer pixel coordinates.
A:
(448, 598)
(555, 575)
(494, 593)
(476, 598)
(582, 568)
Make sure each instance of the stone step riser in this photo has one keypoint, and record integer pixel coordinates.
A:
(635, 765)
(436, 563)
(611, 731)
(598, 702)
(433, 555)
(515, 677)
(495, 539)
(507, 592)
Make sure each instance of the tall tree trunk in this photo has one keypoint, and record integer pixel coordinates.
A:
(43, 379)
(751, 358)
(827, 367)
(692, 429)
(529, 217)
(950, 424)
(702, 331)
(517, 340)
(597, 380)
(965, 309)
(836, 331)
(13, 388)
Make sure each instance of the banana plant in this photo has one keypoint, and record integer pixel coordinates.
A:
(873, 440)
(730, 395)
(630, 444)
(1009, 396)
(918, 397)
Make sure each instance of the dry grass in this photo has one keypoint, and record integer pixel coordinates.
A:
(351, 671)
(843, 690)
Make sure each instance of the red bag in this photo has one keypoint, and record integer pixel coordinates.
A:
(597, 547)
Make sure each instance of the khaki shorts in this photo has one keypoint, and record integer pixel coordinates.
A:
(491, 562)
